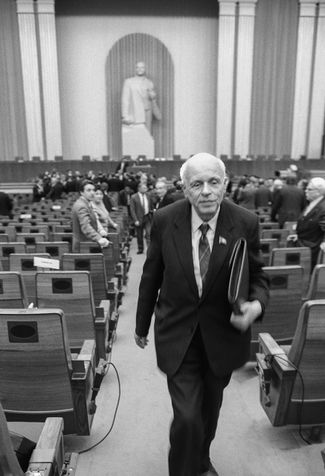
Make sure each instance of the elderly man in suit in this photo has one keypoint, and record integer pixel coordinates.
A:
(310, 230)
(85, 225)
(199, 340)
(163, 197)
(140, 210)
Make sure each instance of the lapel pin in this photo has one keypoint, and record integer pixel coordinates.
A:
(222, 240)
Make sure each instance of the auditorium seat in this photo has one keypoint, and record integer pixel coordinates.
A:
(300, 256)
(72, 292)
(51, 382)
(47, 456)
(55, 249)
(267, 244)
(292, 380)
(281, 313)
(316, 289)
(279, 234)
(63, 236)
(103, 289)
(7, 249)
(30, 239)
(12, 291)
(111, 271)
(23, 263)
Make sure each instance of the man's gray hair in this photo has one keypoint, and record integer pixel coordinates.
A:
(319, 184)
(196, 158)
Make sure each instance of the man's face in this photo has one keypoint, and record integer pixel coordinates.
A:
(312, 192)
(143, 188)
(140, 68)
(161, 189)
(88, 192)
(204, 186)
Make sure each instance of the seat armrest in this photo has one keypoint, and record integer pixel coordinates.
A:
(274, 356)
(49, 446)
(87, 351)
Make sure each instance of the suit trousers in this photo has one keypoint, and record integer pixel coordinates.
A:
(196, 395)
(143, 230)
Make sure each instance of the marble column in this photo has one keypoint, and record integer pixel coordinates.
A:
(31, 76)
(50, 77)
(225, 78)
(317, 112)
(244, 75)
(304, 65)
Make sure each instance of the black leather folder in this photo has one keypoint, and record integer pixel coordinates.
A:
(238, 287)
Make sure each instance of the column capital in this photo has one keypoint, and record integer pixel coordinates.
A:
(227, 8)
(247, 8)
(308, 8)
(45, 6)
(321, 8)
(25, 6)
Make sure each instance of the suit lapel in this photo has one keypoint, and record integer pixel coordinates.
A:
(182, 236)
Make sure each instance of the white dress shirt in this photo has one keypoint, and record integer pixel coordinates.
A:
(196, 222)
(312, 205)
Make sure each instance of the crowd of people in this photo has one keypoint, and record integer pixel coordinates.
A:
(286, 197)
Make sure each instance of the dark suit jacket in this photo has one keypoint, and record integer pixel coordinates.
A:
(84, 224)
(167, 200)
(310, 229)
(288, 204)
(6, 204)
(178, 307)
(136, 209)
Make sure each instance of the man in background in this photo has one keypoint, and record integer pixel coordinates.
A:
(141, 213)
(85, 226)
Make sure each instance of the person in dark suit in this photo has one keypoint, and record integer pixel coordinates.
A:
(6, 204)
(288, 202)
(141, 213)
(85, 225)
(199, 341)
(311, 223)
(163, 198)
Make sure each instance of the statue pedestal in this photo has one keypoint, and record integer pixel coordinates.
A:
(136, 140)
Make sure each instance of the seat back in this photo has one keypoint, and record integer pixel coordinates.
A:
(93, 263)
(30, 239)
(267, 245)
(12, 291)
(54, 248)
(7, 249)
(23, 263)
(282, 311)
(279, 234)
(72, 290)
(307, 353)
(34, 352)
(300, 256)
(91, 247)
(316, 288)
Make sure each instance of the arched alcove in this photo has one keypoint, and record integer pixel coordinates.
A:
(120, 65)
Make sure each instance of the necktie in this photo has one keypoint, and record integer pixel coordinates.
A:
(204, 251)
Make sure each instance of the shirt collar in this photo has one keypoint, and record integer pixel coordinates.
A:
(197, 221)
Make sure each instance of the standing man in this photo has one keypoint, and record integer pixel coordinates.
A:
(139, 99)
(140, 209)
(288, 202)
(163, 198)
(310, 230)
(85, 226)
(199, 341)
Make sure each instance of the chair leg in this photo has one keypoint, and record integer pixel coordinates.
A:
(315, 434)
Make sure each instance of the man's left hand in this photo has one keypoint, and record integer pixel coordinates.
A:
(250, 312)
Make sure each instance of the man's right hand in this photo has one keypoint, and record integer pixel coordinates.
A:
(103, 242)
(140, 341)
